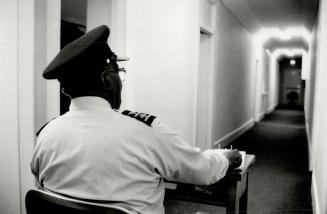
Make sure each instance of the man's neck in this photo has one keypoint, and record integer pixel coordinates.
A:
(89, 102)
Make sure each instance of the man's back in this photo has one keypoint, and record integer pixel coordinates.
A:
(95, 153)
(83, 154)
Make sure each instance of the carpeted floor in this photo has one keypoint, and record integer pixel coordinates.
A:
(280, 181)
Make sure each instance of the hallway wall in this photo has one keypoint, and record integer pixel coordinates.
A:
(319, 134)
(310, 83)
(162, 43)
(9, 152)
(24, 49)
(234, 78)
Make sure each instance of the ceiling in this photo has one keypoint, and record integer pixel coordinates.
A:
(253, 14)
(282, 14)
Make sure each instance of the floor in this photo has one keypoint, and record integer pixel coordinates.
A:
(280, 181)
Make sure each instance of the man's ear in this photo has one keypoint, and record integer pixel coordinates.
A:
(111, 80)
(106, 80)
(112, 88)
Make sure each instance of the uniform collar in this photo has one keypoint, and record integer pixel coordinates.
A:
(88, 102)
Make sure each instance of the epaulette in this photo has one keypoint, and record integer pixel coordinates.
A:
(38, 132)
(143, 117)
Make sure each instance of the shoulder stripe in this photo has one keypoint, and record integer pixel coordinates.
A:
(143, 117)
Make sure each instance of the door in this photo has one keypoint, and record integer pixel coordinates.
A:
(202, 125)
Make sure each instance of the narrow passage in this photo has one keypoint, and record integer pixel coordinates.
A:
(280, 181)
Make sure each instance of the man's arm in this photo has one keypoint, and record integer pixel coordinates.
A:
(176, 160)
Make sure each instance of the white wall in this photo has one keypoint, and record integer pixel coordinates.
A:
(9, 131)
(162, 43)
(17, 106)
(113, 14)
(25, 85)
(309, 96)
(273, 82)
(319, 134)
(310, 84)
(161, 39)
(234, 77)
(207, 15)
(18, 83)
(98, 13)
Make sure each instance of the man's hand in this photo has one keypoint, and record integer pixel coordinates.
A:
(234, 157)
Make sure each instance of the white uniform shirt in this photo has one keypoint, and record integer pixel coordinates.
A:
(95, 153)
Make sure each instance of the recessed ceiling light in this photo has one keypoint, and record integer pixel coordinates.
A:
(285, 36)
(292, 62)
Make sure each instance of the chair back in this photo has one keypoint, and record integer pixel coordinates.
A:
(41, 202)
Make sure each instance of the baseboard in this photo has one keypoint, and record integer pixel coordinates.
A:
(224, 141)
(314, 196)
(271, 109)
(260, 117)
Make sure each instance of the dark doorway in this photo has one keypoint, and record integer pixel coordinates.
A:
(73, 25)
(291, 87)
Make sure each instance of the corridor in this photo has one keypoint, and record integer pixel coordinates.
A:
(280, 181)
(215, 71)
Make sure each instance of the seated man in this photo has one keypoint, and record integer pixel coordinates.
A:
(94, 152)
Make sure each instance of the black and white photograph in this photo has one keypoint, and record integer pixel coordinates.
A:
(163, 107)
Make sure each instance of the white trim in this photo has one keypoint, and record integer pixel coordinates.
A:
(271, 109)
(53, 17)
(308, 143)
(26, 95)
(224, 141)
(260, 117)
(210, 78)
(314, 195)
(211, 82)
(204, 108)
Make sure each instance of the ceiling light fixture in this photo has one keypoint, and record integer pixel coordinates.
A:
(267, 33)
(284, 36)
(290, 53)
